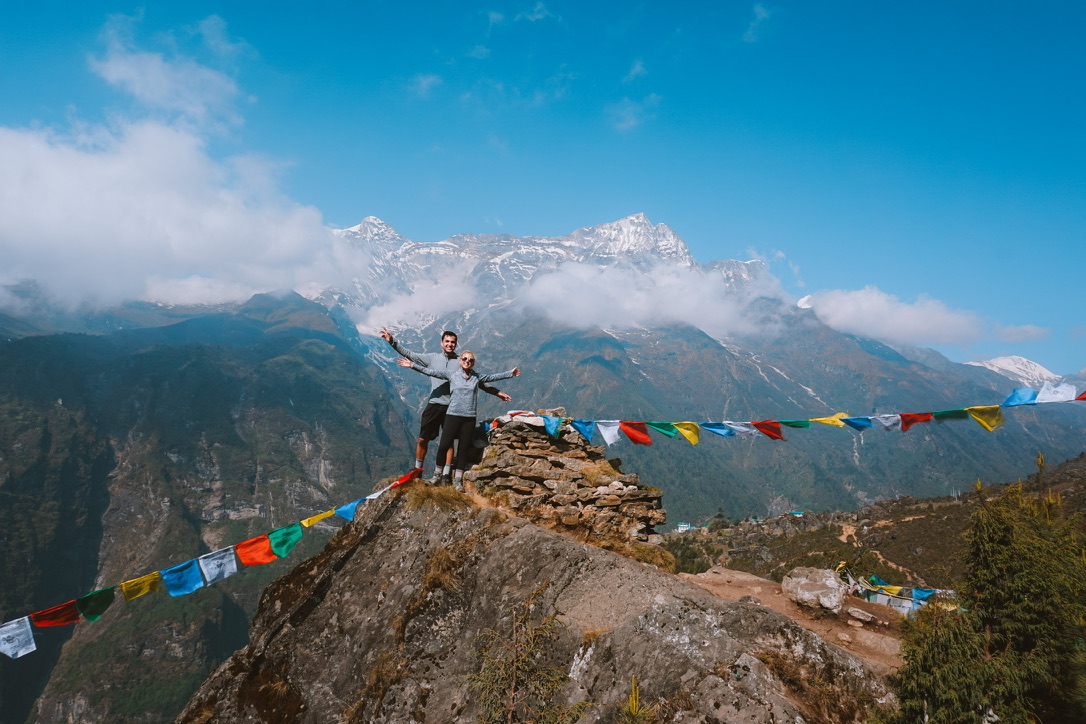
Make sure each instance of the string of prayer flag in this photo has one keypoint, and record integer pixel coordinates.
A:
(17, 637)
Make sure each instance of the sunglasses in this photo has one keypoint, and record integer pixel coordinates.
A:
(468, 359)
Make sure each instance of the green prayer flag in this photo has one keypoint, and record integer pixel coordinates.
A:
(665, 428)
(941, 415)
(93, 605)
(795, 423)
(284, 539)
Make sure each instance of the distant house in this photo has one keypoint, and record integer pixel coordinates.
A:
(683, 527)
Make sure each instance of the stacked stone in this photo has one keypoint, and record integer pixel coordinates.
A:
(565, 483)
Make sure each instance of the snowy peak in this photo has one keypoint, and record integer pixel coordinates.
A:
(1019, 369)
(372, 229)
(634, 238)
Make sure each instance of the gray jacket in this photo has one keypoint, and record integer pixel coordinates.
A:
(465, 390)
(440, 393)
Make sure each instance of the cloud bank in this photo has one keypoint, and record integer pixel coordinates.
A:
(141, 209)
(871, 312)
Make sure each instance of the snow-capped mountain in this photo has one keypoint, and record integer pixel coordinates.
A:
(1019, 369)
(499, 266)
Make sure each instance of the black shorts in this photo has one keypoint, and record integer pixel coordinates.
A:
(433, 417)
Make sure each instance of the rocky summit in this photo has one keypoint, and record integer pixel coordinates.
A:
(404, 616)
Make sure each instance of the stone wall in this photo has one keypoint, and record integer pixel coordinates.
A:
(564, 482)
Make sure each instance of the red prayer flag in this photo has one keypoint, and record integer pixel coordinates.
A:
(908, 419)
(771, 428)
(255, 551)
(62, 615)
(1082, 396)
(638, 432)
(417, 472)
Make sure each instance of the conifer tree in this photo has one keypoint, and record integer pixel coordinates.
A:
(1015, 649)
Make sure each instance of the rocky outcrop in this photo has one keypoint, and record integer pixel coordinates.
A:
(564, 482)
(384, 626)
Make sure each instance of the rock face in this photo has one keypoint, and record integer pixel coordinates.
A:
(815, 588)
(384, 626)
(564, 483)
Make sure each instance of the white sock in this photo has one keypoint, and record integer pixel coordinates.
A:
(418, 463)
(447, 470)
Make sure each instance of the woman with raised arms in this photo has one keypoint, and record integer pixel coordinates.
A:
(460, 418)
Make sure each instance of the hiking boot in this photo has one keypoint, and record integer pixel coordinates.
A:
(458, 483)
(438, 479)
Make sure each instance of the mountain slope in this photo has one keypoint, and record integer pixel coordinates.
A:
(141, 449)
(390, 616)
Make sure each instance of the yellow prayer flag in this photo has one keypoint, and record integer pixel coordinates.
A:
(892, 590)
(989, 416)
(690, 430)
(834, 420)
(151, 583)
(318, 517)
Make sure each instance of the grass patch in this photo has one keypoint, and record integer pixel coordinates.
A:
(442, 497)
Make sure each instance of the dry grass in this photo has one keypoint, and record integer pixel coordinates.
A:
(442, 497)
(441, 571)
(591, 636)
(643, 552)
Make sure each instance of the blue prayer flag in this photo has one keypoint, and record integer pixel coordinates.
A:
(585, 427)
(553, 424)
(183, 579)
(1020, 396)
(717, 427)
(347, 511)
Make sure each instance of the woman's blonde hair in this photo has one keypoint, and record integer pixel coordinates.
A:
(466, 353)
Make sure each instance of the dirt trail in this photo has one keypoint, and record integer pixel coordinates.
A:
(877, 642)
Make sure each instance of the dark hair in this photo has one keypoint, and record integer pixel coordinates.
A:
(447, 333)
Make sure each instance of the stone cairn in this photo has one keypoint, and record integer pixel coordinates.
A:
(564, 483)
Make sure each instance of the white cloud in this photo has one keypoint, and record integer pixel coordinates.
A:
(628, 114)
(761, 14)
(213, 31)
(617, 298)
(419, 306)
(539, 12)
(871, 312)
(636, 71)
(179, 86)
(140, 209)
(1022, 333)
(479, 52)
(423, 84)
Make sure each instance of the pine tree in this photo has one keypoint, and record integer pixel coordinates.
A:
(1015, 650)
(1026, 589)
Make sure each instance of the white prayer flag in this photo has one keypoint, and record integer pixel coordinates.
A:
(888, 422)
(17, 638)
(741, 428)
(218, 565)
(608, 430)
(1053, 393)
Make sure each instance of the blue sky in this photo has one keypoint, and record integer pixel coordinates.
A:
(920, 169)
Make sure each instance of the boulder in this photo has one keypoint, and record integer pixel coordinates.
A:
(815, 588)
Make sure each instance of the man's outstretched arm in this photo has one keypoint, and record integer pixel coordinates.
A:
(403, 351)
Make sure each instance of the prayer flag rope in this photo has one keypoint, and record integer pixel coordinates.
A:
(17, 636)
(989, 417)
